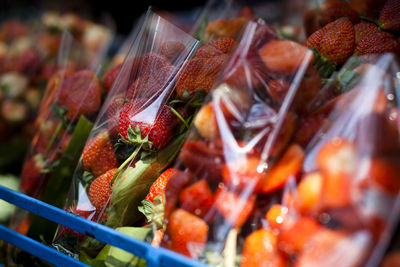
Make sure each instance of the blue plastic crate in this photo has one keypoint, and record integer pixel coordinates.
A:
(154, 256)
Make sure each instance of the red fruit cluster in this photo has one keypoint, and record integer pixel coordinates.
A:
(80, 93)
(158, 127)
(199, 73)
(98, 155)
(158, 187)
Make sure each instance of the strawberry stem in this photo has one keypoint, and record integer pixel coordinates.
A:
(179, 117)
(53, 139)
(123, 165)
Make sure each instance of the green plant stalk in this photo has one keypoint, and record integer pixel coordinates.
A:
(179, 117)
(123, 165)
(53, 139)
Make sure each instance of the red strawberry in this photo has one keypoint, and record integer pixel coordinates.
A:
(335, 41)
(158, 127)
(235, 209)
(87, 214)
(278, 89)
(308, 128)
(199, 74)
(172, 50)
(378, 43)
(288, 166)
(368, 8)
(294, 236)
(154, 76)
(177, 182)
(337, 160)
(206, 160)
(242, 174)
(100, 190)
(31, 176)
(363, 29)
(225, 27)
(215, 48)
(332, 10)
(109, 78)
(246, 12)
(98, 155)
(389, 17)
(261, 249)
(197, 198)
(11, 30)
(114, 107)
(158, 187)
(187, 233)
(308, 194)
(276, 216)
(28, 62)
(80, 93)
(284, 56)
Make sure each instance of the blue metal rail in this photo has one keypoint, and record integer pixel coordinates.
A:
(153, 256)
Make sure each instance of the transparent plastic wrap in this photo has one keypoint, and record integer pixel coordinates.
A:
(246, 125)
(141, 126)
(71, 102)
(297, 162)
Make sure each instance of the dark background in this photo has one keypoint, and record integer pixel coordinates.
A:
(123, 13)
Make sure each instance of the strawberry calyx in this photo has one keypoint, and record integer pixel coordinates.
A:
(135, 138)
(154, 212)
(323, 65)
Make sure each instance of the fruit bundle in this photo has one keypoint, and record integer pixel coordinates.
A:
(295, 158)
(28, 52)
(71, 102)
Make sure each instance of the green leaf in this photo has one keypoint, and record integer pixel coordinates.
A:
(60, 179)
(185, 96)
(201, 32)
(323, 65)
(120, 257)
(135, 137)
(147, 209)
(133, 185)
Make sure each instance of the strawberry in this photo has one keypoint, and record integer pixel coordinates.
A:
(31, 176)
(98, 156)
(187, 233)
(276, 216)
(225, 27)
(378, 43)
(332, 10)
(80, 93)
(157, 127)
(197, 198)
(216, 48)
(242, 174)
(11, 30)
(293, 237)
(158, 187)
(337, 160)
(87, 214)
(389, 16)
(177, 182)
(392, 259)
(385, 172)
(277, 89)
(308, 129)
(199, 74)
(288, 166)
(114, 107)
(284, 134)
(28, 62)
(367, 8)
(109, 78)
(100, 190)
(172, 50)
(206, 122)
(309, 193)
(335, 41)
(154, 73)
(261, 249)
(363, 29)
(235, 209)
(246, 12)
(206, 160)
(284, 56)
(347, 250)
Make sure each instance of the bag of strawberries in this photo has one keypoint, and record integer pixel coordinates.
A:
(141, 126)
(72, 100)
(297, 163)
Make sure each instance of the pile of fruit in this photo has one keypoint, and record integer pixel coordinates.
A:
(247, 144)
